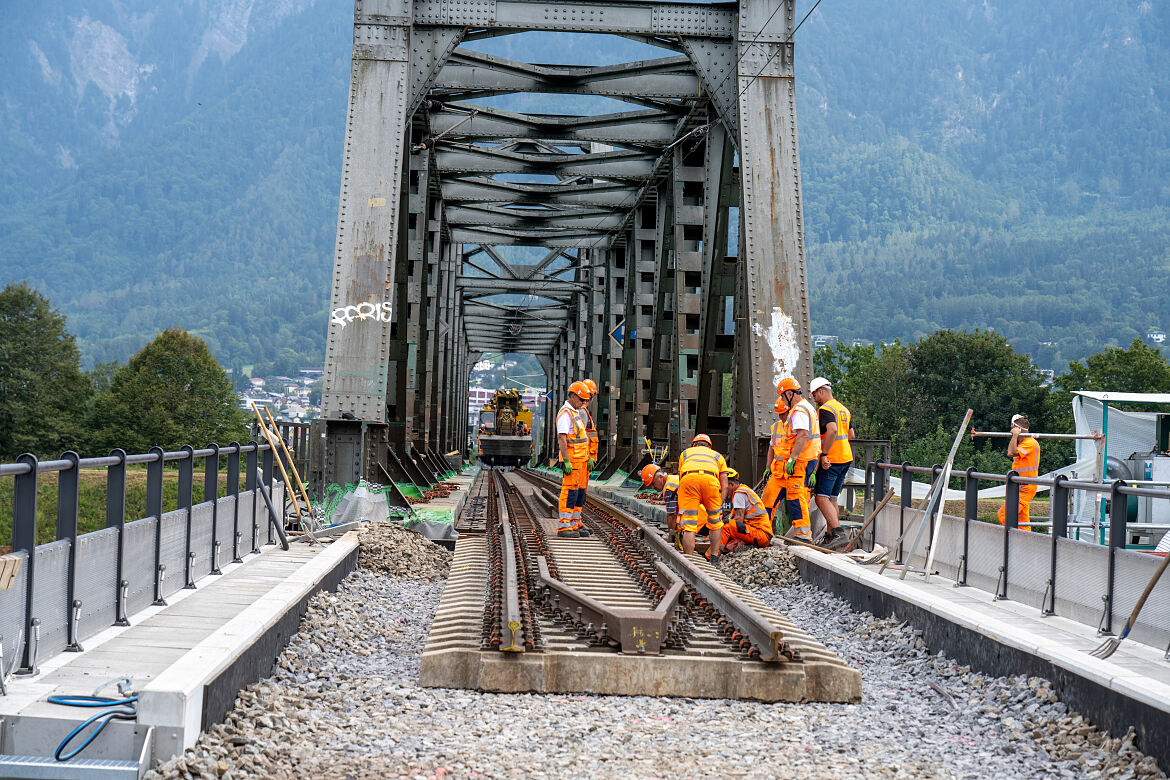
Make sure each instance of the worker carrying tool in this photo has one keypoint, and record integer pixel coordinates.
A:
(702, 483)
(802, 448)
(1025, 454)
(778, 452)
(573, 443)
(836, 456)
(749, 524)
(656, 478)
(590, 428)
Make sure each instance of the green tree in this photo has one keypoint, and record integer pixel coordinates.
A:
(43, 390)
(1139, 369)
(102, 374)
(171, 393)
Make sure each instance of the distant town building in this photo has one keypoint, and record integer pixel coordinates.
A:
(823, 340)
(1049, 377)
(862, 342)
(1157, 336)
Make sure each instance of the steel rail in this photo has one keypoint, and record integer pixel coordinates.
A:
(510, 618)
(764, 637)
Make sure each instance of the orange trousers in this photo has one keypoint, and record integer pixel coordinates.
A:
(572, 496)
(1027, 493)
(775, 484)
(755, 537)
(695, 492)
(796, 496)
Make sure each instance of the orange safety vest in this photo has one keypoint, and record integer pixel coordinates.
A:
(779, 444)
(813, 447)
(756, 516)
(702, 460)
(840, 450)
(671, 485)
(1027, 465)
(590, 431)
(578, 439)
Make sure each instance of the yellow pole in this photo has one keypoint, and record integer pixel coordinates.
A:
(279, 462)
(291, 464)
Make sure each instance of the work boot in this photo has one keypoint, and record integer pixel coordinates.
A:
(583, 531)
(568, 534)
(835, 538)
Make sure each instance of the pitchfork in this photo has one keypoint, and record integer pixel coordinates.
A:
(1109, 646)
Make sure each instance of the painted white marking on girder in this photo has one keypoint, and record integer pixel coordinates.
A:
(780, 337)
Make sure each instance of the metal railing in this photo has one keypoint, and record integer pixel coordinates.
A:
(1118, 527)
(69, 589)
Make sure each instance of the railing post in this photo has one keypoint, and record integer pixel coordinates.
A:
(907, 501)
(881, 485)
(970, 515)
(67, 506)
(267, 460)
(250, 484)
(1011, 519)
(186, 498)
(154, 491)
(24, 537)
(1059, 530)
(211, 493)
(233, 488)
(1117, 534)
(116, 518)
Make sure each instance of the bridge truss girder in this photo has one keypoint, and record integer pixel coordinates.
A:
(634, 207)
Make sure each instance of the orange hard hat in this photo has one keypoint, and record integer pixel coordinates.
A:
(581, 390)
(702, 438)
(786, 384)
(591, 385)
(780, 406)
(648, 473)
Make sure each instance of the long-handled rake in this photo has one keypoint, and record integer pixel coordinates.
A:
(1109, 646)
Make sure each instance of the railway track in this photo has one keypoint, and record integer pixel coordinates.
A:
(619, 611)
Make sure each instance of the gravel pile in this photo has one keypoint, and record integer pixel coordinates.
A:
(758, 567)
(388, 548)
(343, 702)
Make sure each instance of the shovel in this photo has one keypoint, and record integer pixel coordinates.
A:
(865, 526)
(1109, 646)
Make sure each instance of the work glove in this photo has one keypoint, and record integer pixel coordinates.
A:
(739, 526)
(812, 480)
(567, 467)
(592, 463)
(790, 466)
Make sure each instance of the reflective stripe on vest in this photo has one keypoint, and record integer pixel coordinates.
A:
(671, 485)
(578, 441)
(756, 515)
(840, 451)
(702, 459)
(812, 447)
(1028, 465)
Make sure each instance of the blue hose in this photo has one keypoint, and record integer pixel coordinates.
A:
(124, 709)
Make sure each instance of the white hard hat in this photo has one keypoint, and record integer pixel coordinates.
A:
(818, 383)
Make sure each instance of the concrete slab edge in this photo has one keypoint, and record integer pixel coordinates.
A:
(200, 688)
(997, 648)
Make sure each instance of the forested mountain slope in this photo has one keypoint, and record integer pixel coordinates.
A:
(966, 164)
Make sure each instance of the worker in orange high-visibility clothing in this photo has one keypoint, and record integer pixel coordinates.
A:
(804, 445)
(749, 524)
(836, 456)
(656, 478)
(590, 426)
(702, 483)
(1025, 454)
(777, 453)
(574, 451)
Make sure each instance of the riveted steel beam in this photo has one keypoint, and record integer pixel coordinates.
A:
(482, 189)
(649, 128)
(715, 20)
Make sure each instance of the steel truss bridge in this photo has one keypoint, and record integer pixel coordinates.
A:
(630, 212)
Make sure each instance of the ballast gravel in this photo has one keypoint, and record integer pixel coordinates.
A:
(343, 702)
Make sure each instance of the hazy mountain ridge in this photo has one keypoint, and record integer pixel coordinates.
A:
(178, 164)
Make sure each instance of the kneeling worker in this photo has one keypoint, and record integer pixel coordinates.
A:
(749, 523)
(702, 483)
(655, 477)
